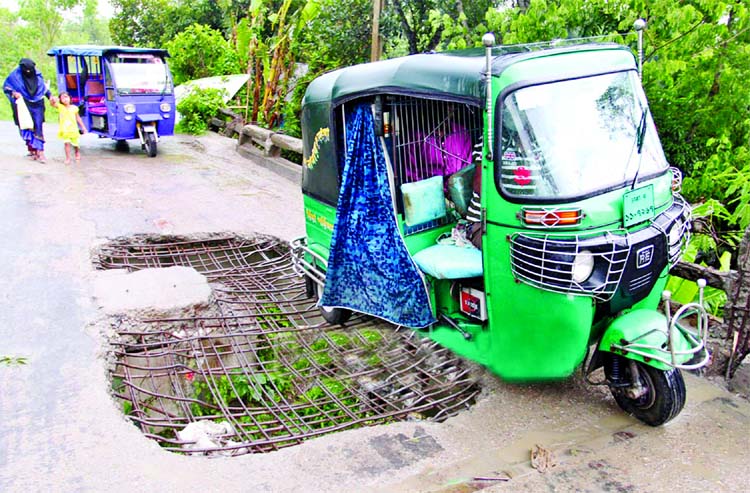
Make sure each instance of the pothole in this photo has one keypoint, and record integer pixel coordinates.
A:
(254, 368)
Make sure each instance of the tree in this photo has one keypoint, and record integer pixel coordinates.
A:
(89, 29)
(423, 24)
(270, 60)
(155, 22)
(44, 18)
(338, 36)
(140, 22)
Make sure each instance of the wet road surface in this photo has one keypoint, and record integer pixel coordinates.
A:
(60, 431)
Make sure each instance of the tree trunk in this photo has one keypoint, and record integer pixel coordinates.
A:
(462, 15)
(377, 7)
(411, 36)
(737, 309)
(736, 284)
(523, 4)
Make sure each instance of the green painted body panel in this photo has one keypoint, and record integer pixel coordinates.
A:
(319, 219)
(536, 334)
(602, 212)
(650, 302)
(645, 326)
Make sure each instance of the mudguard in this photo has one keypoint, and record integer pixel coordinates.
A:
(148, 117)
(642, 335)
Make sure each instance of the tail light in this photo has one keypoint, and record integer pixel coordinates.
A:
(552, 217)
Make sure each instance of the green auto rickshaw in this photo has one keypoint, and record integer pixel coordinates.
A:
(514, 204)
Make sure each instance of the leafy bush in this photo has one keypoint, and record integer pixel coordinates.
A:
(197, 108)
(200, 51)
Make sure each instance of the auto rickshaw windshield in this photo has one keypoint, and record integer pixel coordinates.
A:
(140, 74)
(573, 138)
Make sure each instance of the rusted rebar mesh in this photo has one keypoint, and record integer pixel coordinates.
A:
(262, 370)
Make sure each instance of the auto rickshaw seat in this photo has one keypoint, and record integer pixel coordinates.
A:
(450, 261)
(71, 86)
(94, 91)
(97, 108)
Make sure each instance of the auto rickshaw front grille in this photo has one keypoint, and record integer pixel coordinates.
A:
(257, 369)
(546, 261)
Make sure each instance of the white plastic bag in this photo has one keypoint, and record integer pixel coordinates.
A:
(24, 117)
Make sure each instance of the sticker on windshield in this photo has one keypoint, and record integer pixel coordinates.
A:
(532, 97)
(522, 175)
(638, 205)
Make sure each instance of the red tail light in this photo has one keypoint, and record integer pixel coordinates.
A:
(552, 218)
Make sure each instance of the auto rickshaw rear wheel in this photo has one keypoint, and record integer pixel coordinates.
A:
(334, 316)
(663, 395)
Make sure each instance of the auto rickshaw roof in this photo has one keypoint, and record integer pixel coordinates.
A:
(95, 50)
(457, 74)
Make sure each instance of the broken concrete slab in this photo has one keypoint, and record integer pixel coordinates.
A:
(150, 290)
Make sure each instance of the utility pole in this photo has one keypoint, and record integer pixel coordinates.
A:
(377, 6)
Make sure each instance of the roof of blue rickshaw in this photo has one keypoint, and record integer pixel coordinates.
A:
(458, 74)
(96, 50)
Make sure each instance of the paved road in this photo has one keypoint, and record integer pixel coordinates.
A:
(60, 431)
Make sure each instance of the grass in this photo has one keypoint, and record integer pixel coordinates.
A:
(5, 113)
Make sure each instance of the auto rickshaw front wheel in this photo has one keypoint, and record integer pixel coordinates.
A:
(334, 316)
(150, 144)
(655, 398)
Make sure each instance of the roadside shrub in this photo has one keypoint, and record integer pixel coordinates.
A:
(197, 108)
(200, 51)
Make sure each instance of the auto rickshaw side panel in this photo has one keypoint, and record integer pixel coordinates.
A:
(548, 332)
(320, 174)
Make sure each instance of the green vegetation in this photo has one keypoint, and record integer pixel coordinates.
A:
(200, 51)
(312, 387)
(13, 360)
(197, 108)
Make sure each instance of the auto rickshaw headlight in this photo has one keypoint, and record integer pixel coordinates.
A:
(128, 108)
(583, 266)
(165, 107)
(675, 233)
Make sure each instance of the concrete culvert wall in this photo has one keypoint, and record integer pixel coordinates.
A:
(251, 366)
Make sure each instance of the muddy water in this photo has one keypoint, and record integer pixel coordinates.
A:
(595, 448)
(60, 431)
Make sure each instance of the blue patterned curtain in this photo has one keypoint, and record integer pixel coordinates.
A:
(369, 268)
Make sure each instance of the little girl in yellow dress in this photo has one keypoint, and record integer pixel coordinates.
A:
(70, 123)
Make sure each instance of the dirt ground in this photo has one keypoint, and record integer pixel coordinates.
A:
(61, 431)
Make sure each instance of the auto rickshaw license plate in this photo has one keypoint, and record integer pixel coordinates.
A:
(638, 205)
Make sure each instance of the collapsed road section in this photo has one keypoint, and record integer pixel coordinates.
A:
(253, 367)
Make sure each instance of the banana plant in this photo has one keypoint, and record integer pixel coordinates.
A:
(269, 59)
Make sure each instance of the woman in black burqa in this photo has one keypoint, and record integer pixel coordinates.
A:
(27, 82)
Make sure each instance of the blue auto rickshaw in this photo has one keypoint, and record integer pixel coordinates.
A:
(123, 92)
